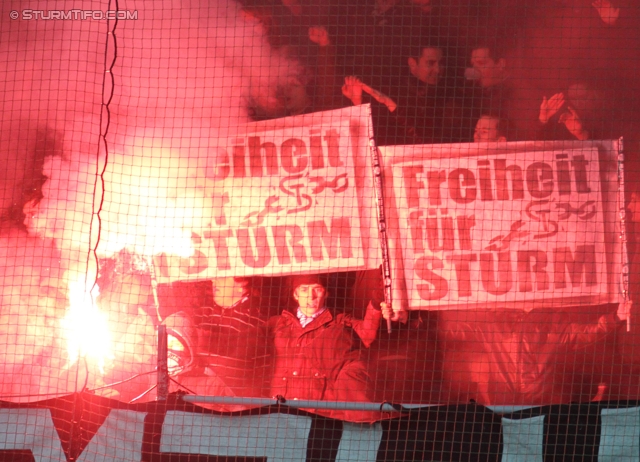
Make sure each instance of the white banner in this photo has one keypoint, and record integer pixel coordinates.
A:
(290, 196)
(504, 224)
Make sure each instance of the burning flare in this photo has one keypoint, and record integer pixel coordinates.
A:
(86, 328)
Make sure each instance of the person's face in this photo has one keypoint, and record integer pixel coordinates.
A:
(487, 130)
(228, 291)
(310, 298)
(583, 99)
(294, 98)
(491, 71)
(428, 67)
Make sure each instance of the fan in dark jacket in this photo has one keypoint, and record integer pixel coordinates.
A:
(318, 354)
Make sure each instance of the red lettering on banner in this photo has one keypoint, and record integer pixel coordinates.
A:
(502, 182)
(582, 262)
(465, 223)
(580, 168)
(486, 188)
(440, 231)
(294, 155)
(526, 269)
(317, 157)
(256, 159)
(539, 180)
(220, 248)
(496, 282)
(532, 271)
(434, 180)
(564, 175)
(415, 228)
(280, 234)
(219, 202)
(194, 264)
(462, 185)
(461, 263)
(339, 237)
(442, 243)
(438, 287)
(255, 247)
(517, 182)
(412, 185)
(223, 166)
(254, 256)
(238, 159)
(332, 138)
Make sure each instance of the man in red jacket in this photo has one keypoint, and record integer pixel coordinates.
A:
(318, 354)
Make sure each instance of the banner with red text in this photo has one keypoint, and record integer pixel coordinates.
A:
(290, 196)
(506, 224)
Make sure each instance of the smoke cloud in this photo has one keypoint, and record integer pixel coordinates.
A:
(183, 72)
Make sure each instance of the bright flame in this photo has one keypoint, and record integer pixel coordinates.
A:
(86, 328)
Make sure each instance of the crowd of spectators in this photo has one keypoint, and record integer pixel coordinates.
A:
(454, 71)
(432, 69)
(450, 71)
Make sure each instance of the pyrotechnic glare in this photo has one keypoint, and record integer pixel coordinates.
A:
(86, 328)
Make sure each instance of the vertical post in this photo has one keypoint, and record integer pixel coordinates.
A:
(163, 371)
(624, 277)
(382, 220)
(154, 286)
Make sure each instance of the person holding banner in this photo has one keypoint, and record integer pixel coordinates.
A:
(317, 353)
(523, 354)
(226, 342)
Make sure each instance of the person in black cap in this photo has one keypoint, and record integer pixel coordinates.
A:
(318, 354)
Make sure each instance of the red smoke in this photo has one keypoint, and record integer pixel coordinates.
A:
(183, 72)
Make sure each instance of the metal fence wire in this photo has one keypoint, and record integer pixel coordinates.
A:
(322, 224)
